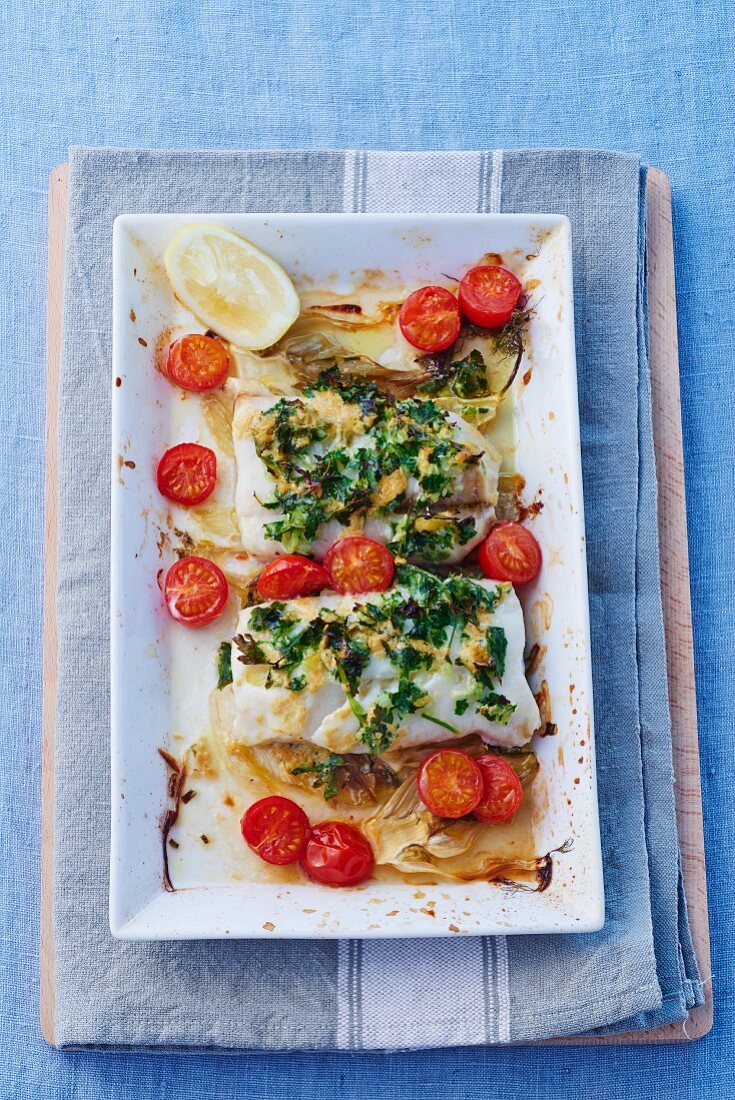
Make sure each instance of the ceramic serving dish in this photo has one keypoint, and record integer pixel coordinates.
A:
(161, 676)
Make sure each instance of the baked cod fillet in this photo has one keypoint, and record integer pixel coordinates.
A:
(352, 460)
(426, 661)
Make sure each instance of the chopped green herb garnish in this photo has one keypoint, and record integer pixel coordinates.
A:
(224, 665)
(439, 722)
(498, 709)
(325, 772)
(491, 705)
(470, 377)
(497, 645)
(465, 378)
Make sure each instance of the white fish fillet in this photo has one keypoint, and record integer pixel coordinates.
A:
(475, 492)
(320, 714)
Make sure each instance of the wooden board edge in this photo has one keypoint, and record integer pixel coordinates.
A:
(675, 588)
(57, 206)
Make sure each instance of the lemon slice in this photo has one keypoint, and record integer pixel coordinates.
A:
(231, 286)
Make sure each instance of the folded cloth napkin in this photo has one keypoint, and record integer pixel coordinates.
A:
(639, 971)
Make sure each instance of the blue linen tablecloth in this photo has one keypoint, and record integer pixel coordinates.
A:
(639, 77)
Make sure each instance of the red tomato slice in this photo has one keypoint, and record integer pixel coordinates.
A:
(450, 783)
(196, 591)
(187, 473)
(488, 296)
(276, 829)
(510, 553)
(357, 564)
(502, 790)
(430, 318)
(337, 855)
(291, 576)
(197, 362)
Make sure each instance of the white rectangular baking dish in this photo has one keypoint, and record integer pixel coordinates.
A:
(155, 688)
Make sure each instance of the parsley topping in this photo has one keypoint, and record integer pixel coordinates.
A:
(224, 665)
(497, 645)
(325, 772)
(465, 378)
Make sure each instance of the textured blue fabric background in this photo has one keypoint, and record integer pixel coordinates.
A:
(640, 75)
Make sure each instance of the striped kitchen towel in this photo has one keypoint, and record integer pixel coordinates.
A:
(639, 971)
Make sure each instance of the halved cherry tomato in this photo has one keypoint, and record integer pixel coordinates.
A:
(337, 855)
(430, 318)
(276, 829)
(198, 362)
(510, 553)
(357, 564)
(450, 783)
(187, 473)
(488, 295)
(196, 591)
(291, 576)
(502, 790)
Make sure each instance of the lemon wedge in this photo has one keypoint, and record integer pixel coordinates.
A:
(231, 286)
